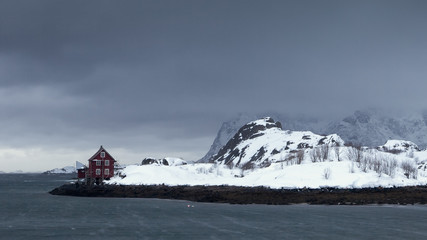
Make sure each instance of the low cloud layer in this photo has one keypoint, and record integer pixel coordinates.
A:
(159, 77)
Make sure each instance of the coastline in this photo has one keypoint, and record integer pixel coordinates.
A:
(253, 195)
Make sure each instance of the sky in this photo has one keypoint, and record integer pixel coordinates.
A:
(157, 78)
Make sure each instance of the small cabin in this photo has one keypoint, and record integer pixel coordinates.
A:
(81, 170)
(100, 167)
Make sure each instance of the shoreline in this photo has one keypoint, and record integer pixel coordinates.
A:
(253, 195)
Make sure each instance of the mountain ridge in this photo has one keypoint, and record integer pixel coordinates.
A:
(370, 128)
(262, 142)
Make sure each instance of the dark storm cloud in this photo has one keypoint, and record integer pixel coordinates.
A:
(128, 71)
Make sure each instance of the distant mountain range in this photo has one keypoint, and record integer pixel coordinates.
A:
(370, 128)
(64, 170)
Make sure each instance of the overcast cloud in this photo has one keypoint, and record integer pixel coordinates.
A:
(157, 78)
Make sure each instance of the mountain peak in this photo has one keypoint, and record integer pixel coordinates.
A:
(261, 142)
(368, 127)
(254, 128)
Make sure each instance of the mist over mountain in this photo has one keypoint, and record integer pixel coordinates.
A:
(371, 127)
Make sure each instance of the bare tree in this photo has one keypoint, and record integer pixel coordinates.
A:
(324, 150)
(326, 173)
(380, 163)
(313, 155)
(351, 167)
(291, 159)
(300, 156)
(389, 166)
(365, 162)
(355, 153)
(377, 165)
(337, 151)
(409, 169)
(316, 154)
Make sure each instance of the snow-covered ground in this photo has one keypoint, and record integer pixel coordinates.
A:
(262, 142)
(398, 146)
(375, 169)
(262, 154)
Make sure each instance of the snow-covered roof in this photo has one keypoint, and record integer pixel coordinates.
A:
(80, 165)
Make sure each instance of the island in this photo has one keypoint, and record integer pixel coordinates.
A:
(263, 164)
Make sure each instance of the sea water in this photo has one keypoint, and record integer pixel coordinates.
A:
(27, 211)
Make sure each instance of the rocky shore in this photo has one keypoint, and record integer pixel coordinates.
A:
(253, 195)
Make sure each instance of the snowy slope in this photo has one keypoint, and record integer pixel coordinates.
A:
(230, 128)
(343, 174)
(368, 127)
(398, 146)
(342, 166)
(64, 170)
(172, 161)
(261, 142)
(168, 161)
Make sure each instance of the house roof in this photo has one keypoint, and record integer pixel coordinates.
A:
(80, 165)
(101, 149)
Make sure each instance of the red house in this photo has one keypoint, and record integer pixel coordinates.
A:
(81, 170)
(100, 167)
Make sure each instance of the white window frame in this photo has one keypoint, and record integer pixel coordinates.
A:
(107, 171)
(107, 162)
(98, 171)
(102, 154)
(98, 163)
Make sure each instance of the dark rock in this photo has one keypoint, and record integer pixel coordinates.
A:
(274, 152)
(306, 137)
(250, 195)
(148, 161)
(279, 125)
(165, 162)
(256, 135)
(258, 155)
(303, 145)
(248, 131)
(322, 141)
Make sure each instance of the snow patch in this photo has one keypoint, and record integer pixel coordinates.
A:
(398, 146)
(64, 170)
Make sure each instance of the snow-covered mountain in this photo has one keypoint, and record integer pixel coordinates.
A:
(370, 128)
(373, 128)
(262, 142)
(355, 168)
(230, 128)
(262, 154)
(225, 133)
(64, 170)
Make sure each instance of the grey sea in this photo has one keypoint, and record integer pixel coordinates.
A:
(27, 211)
